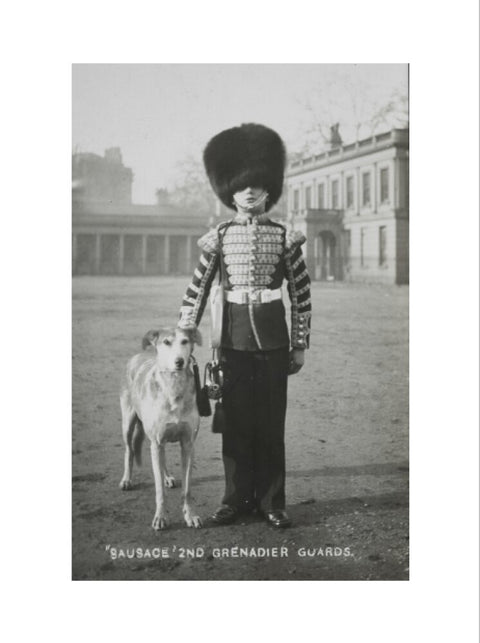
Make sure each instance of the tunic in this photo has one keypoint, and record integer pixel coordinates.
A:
(253, 255)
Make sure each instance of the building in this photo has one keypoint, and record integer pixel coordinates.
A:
(135, 240)
(351, 202)
(113, 236)
(98, 179)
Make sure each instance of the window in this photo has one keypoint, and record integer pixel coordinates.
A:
(308, 197)
(384, 185)
(382, 242)
(321, 196)
(296, 200)
(366, 188)
(362, 247)
(334, 195)
(349, 191)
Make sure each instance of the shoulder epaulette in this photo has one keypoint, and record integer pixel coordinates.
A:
(209, 241)
(293, 239)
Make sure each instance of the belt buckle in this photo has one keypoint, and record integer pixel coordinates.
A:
(266, 296)
(254, 296)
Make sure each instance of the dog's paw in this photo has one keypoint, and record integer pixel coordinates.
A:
(159, 522)
(169, 481)
(192, 520)
(125, 484)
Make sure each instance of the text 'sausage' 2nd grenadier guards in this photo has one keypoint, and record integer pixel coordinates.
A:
(253, 256)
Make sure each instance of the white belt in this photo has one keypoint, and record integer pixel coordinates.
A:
(253, 297)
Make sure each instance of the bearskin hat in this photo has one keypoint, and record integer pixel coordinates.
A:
(251, 155)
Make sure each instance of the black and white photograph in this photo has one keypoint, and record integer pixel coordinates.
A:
(240, 347)
(240, 321)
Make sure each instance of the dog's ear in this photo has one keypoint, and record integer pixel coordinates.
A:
(197, 337)
(150, 339)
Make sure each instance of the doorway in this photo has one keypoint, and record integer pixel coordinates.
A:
(325, 256)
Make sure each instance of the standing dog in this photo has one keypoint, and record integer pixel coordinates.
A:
(158, 398)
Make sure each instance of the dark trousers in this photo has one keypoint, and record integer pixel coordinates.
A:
(253, 447)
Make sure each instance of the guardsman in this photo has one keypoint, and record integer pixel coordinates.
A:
(252, 255)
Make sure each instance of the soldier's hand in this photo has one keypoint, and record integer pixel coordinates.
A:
(186, 324)
(297, 360)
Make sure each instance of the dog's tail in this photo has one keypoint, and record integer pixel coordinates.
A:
(137, 441)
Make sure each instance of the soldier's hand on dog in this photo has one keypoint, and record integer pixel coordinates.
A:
(296, 360)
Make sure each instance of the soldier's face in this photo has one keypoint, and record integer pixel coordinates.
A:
(248, 197)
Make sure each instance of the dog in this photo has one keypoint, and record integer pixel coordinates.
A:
(158, 398)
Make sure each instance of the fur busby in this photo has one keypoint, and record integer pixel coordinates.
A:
(251, 155)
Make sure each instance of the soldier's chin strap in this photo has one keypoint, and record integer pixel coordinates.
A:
(252, 206)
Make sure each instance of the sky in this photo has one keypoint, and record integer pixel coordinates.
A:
(158, 114)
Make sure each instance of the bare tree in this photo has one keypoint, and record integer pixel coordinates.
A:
(393, 113)
(192, 190)
(349, 97)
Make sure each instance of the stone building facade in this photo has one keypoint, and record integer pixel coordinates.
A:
(113, 236)
(98, 179)
(135, 240)
(352, 204)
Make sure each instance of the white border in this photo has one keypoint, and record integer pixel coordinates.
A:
(439, 40)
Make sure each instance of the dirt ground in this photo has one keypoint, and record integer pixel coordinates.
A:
(347, 447)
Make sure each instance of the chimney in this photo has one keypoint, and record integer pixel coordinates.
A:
(335, 138)
(162, 196)
(114, 155)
